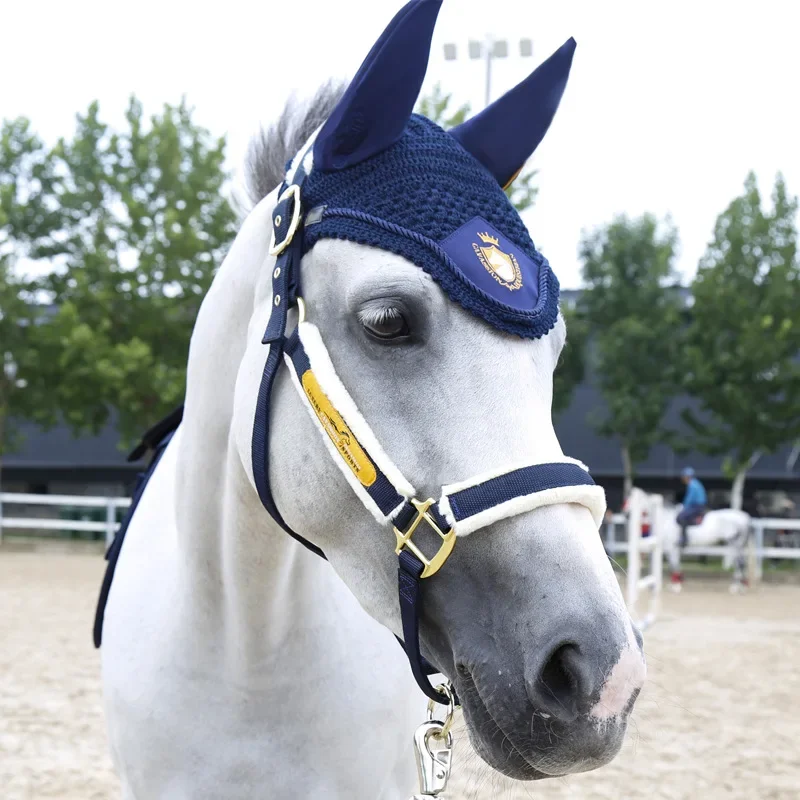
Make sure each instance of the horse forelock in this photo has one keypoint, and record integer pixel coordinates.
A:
(271, 149)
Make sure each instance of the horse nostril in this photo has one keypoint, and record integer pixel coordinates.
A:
(559, 682)
(562, 688)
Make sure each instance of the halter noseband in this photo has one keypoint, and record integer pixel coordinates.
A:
(461, 509)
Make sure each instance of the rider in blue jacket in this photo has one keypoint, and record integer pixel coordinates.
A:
(694, 501)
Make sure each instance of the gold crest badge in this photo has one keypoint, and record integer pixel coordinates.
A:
(503, 267)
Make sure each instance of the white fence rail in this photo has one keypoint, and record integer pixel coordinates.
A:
(613, 544)
(761, 525)
(643, 549)
(60, 501)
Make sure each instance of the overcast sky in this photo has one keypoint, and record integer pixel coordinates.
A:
(668, 106)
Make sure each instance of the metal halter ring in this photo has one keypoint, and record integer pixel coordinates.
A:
(277, 249)
(447, 690)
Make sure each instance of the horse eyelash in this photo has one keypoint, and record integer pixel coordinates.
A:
(377, 316)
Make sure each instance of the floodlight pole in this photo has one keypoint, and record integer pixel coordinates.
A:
(489, 49)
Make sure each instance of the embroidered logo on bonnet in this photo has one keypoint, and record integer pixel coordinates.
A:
(503, 267)
(494, 264)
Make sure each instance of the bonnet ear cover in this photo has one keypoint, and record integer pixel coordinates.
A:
(504, 135)
(374, 111)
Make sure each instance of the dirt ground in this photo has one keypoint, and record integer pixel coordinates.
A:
(720, 717)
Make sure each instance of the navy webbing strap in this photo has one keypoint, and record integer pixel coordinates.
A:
(408, 581)
(154, 436)
(533, 479)
(381, 490)
(285, 289)
(285, 285)
(166, 429)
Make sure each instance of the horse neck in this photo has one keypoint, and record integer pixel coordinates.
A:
(245, 574)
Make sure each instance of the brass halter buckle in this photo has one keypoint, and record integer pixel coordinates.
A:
(277, 249)
(433, 565)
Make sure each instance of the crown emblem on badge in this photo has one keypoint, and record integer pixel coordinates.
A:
(502, 266)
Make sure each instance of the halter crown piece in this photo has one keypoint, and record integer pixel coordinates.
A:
(377, 174)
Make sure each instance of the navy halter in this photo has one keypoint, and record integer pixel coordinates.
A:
(377, 174)
(461, 509)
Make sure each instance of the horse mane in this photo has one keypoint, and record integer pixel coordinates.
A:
(271, 149)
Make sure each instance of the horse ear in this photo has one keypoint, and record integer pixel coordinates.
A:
(505, 134)
(374, 110)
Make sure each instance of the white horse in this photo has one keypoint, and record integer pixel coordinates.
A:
(236, 664)
(725, 526)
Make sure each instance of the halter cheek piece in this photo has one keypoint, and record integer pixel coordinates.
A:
(461, 509)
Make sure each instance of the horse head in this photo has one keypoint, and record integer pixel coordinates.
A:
(441, 333)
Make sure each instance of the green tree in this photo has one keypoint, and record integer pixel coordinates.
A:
(633, 313)
(438, 106)
(571, 364)
(16, 355)
(743, 343)
(142, 225)
(24, 218)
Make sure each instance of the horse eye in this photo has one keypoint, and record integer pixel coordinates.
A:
(387, 326)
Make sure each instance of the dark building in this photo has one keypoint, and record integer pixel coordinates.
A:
(55, 462)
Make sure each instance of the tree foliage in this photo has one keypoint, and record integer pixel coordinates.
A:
(24, 218)
(17, 353)
(136, 225)
(633, 313)
(438, 107)
(571, 364)
(743, 344)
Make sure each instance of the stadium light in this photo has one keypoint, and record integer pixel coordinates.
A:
(488, 49)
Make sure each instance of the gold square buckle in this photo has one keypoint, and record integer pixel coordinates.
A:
(434, 564)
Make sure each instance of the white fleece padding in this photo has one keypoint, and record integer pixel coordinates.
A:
(355, 484)
(323, 369)
(591, 497)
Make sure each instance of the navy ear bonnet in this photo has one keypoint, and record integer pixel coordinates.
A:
(428, 200)
(385, 177)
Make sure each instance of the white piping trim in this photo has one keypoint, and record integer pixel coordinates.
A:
(592, 498)
(325, 373)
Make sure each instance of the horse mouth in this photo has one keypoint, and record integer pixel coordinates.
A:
(550, 750)
(487, 736)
